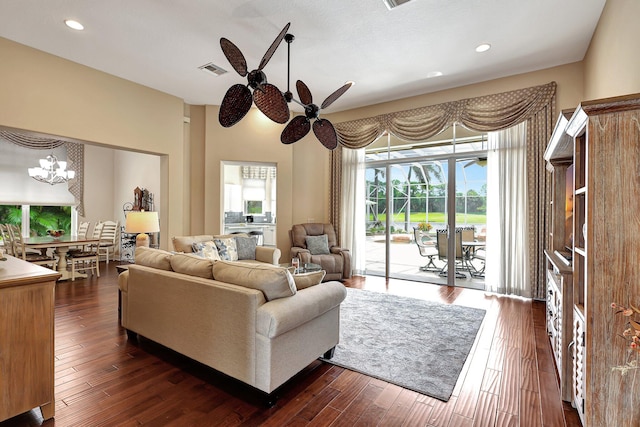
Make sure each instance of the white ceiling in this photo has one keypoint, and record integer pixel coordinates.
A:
(388, 53)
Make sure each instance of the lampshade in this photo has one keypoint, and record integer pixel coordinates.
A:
(142, 222)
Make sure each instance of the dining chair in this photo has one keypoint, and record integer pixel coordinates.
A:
(108, 232)
(15, 234)
(86, 260)
(7, 243)
(83, 229)
(31, 255)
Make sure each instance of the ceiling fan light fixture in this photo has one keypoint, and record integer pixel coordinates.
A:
(392, 4)
(73, 24)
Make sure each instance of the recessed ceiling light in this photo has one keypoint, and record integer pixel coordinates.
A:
(74, 24)
(483, 47)
(432, 74)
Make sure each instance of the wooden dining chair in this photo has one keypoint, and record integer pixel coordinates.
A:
(85, 260)
(31, 255)
(15, 234)
(108, 232)
(83, 229)
(7, 242)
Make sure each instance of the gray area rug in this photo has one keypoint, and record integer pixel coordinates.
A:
(419, 345)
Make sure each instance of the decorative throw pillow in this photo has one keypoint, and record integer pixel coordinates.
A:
(227, 249)
(306, 280)
(274, 282)
(318, 245)
(207, 250)
(150, 257)
(246, 247)
(193, 265)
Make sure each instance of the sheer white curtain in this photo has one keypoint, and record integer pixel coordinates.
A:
(507, 270)
(352, 228)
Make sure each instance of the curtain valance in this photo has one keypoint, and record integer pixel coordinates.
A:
(75, 159)
(486, 113)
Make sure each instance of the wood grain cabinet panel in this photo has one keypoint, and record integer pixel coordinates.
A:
(26, 338)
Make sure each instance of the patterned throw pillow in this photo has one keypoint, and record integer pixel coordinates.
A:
(227, 249)
(207, 250)
(246, 247)
(318, 245)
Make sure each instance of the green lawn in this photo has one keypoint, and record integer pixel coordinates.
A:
(435, 217)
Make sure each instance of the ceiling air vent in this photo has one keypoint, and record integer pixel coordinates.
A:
(213, 69)
(394, 3)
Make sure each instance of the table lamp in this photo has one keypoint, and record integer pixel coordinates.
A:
(142, 222)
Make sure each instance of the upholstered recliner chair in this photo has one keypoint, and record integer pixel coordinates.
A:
(317, 243)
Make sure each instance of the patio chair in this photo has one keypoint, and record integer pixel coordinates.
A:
(427, 249)
(442, 245)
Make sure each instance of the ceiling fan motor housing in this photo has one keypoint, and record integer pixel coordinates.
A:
(311, 111)
(257, 79)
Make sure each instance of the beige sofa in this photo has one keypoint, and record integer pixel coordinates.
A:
(254, 322)
(268, 254)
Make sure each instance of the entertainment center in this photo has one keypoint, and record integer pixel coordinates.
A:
(593, 255)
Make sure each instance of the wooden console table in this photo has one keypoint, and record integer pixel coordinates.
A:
(26, 338)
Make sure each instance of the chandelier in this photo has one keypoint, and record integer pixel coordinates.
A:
(52, 171)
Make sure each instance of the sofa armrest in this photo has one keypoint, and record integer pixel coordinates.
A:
(282, 315)
(346, 260)
(268, 254)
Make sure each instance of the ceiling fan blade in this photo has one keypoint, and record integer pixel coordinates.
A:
(235, 105)
(326, 133)
(295, 130)
(271, 102)
(234, 56)
(335, 95)
(272, 49)
(304, 93)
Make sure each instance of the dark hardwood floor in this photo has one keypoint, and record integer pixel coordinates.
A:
(102, 379)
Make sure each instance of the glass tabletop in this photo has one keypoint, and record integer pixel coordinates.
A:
(304, 268)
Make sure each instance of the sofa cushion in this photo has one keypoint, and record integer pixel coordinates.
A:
(274, 282)
(193, 265)
(317, 245)
(207, 250)
(305, 280)
(185, 243)
(227, 248)
(150, 257)
(246, 247)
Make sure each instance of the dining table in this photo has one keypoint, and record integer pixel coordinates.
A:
(61, 245)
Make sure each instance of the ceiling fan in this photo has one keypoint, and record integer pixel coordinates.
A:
(299, 126)
(480, 161)
(267, 97)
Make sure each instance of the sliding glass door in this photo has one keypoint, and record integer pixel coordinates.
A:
(414, 198)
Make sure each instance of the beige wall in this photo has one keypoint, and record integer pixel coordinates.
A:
(612, 63)
(44, 93)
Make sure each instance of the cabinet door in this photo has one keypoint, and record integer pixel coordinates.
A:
(26, 379)
(270, 236)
